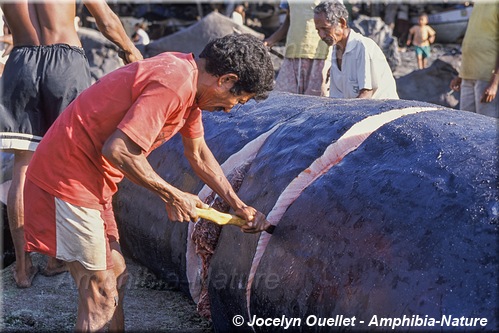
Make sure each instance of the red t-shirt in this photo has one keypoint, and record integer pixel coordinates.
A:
(150, 101)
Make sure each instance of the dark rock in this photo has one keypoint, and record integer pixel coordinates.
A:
(194, 38)
(377, 30)
(431, 84)
(101, 53)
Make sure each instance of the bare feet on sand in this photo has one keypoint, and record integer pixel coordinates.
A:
(54, 267)
(25, 280)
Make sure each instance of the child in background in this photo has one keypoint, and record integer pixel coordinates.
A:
(421, 36)
(238, 15)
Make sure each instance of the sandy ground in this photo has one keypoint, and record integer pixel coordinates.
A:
(50, 304)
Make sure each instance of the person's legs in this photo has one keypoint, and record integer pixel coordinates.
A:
(24, 271)
(86, 239)
(419, 56)
(314, 77)
(468, 98)
(420, 62)
(97, 297)
(54, 267)
(426, 54)
(117, 323)
(286, 79)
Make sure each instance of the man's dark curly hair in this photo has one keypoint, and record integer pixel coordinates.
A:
(243, 55)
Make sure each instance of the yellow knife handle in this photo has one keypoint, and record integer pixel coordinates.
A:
(224, 218)
(219, 217)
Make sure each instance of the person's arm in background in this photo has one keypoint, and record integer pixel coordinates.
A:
(366, 93)
(432, 35)
(280, 33)
(111, 27)
(410, 36)
(7, 39)
(491, 91)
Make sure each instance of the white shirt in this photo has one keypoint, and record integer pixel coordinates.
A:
(364, 66)
(237, 17)
(143, 37)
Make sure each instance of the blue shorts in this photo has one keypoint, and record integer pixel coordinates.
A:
(423, 51)
(37, 84)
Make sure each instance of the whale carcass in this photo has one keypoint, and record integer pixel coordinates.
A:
(384, 209)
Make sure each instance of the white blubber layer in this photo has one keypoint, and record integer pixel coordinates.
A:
(193, 262)
(333, 154)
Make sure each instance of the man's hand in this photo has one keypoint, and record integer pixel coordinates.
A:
(455, 84)
(257, 221)
(129, 57)
(183, 207)
(490, 92)
(366, 93)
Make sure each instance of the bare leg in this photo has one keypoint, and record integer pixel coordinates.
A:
(420, 62)
(120, 272)
(97, 297)
(54, 267)
(425, 62)
(24, 271)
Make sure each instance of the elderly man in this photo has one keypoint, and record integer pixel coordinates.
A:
(359, 68)
(106, 134)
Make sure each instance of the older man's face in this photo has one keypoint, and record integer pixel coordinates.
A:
(329, 33)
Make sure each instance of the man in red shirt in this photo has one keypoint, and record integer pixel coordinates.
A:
(47, 69)
(107, 133)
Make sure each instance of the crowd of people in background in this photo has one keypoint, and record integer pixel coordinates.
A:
(305, 70)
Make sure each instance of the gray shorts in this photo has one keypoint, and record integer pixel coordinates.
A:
(37, 84)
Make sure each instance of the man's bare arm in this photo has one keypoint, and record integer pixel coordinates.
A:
(128, 157)
(208, 169)
(280, 33)
(110, 26)
(366, 93)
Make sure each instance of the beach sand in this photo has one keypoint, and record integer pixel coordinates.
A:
(50, 304)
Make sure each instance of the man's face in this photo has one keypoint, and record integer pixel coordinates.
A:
(220, 98)
(330, 34)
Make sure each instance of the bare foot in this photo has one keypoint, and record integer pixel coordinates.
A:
(54, 267)
(25, 281)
